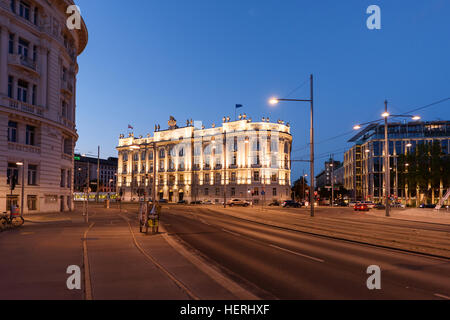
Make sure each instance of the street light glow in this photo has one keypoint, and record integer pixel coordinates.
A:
(19, 163)
(273, 101)
(415, 118)
(385, 114)
(357, 127)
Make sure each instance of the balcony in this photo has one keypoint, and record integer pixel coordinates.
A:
(23, 148)
(23, 106)
(66, 87)
(23, 62)
(67, 123)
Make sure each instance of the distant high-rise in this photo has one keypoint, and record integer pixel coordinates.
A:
(38, 68)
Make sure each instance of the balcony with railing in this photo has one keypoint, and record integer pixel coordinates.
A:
(66, 87)
(13, 146)
(23, 106)
(22, 62)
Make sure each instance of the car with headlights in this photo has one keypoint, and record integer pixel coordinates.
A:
(238, 202)
(361, 207)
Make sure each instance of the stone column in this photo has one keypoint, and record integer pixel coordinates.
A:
(43, 59)
(4, 61)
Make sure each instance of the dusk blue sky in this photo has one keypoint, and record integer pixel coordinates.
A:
(148, 60)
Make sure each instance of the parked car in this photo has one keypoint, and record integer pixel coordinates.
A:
(182, 202)
(274, 204)
(291, 204)
(361, 207)
(196, 202)
(398, 205)
(370, 204)
(207, 202)
(380, 206)
(353, 203)
(427, 206)
(163, 201)
(341, 204)
(237, 202)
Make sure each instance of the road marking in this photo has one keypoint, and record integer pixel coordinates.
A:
(204, 222)
(442, 296)
(87, 274)
(209, 270)
(297, 253)
(233, 233)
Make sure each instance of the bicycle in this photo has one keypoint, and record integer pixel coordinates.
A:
(12, 220)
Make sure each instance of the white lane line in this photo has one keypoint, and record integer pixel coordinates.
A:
(442, 296)
(231, 232)
(297, 253)
(204, 222)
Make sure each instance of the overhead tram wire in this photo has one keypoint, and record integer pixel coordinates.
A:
(428, 105)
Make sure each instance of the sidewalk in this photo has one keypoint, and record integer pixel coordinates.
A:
(149, 266)
(416, 214)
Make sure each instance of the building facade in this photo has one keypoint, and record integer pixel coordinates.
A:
(38, 68)
(364, 162)
(241, 159)
(86, 168)
(324, 178)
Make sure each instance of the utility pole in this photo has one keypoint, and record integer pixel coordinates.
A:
(224, 169)
(304, 186)
(87, 193)
(387, 170)
(332, 180)
(23, 188)
(98, 175)
(396, 178)
(312, 148)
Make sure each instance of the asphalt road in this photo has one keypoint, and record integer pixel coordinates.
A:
(281, 264)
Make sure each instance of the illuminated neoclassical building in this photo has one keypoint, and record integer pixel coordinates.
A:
(240, 159)
(38, 73)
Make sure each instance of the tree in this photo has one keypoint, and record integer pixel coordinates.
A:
(424, 171)
(300, 188)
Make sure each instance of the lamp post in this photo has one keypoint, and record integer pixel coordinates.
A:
(387, 169)
(275, 101)
(22, 164)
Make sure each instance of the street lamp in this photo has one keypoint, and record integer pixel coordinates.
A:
(22, 164)
(387, 164)
(274, 101)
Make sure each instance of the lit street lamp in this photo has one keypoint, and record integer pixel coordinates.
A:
(387, 165)
(274, 101)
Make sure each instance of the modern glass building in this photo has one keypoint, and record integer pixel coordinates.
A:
(364, 162)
